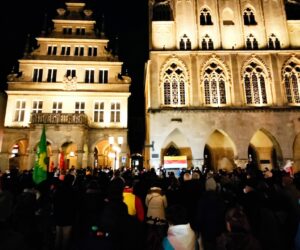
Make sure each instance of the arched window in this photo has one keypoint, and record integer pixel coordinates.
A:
(255, 85)
(174, 86)
(207, 43)
(162, 11)
(185, 43)
(205, 17)
(251, 42)
(273, 42)
(292, 82)
(249, 17)
(214, 85)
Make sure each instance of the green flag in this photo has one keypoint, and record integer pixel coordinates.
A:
(40, 166)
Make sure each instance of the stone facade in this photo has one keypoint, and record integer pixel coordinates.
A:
(71, 83)
(223, 84)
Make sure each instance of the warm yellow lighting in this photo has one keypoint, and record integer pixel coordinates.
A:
(111, 140)
(111, 155)
(72, 154)
(120, 140)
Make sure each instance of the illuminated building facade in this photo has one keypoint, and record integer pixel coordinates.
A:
(222, 83)
(72, 84)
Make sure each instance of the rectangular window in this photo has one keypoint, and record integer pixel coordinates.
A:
(37, 75)
(51, 77)
(79, 107)
(80, 31)
(65, 50)
(79, 51)
(115, 111)
(89, 76)
(67, 30)
(57, 107)
(20, 111)
(92, 51)
(103, 76)
(37, 107)
(99, 112)
(71, 72)
(52, 50)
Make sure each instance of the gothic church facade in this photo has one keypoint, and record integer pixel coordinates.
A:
(222, 83)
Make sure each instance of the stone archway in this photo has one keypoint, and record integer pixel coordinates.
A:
(219, 152)
(68, 155)
(176, 143)
(18, 155)
(264, 151)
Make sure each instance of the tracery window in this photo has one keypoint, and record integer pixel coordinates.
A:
(251, 42)
(162, 11)
(207, 43)
(249, 17)
(214, 85)
(255, 85)
(185, 43)
(273, 42)
(205, 17)
(292, 82)
(174, 86)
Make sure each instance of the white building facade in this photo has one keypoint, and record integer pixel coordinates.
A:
(72, 84)
(222, 83)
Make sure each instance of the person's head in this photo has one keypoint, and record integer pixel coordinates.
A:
(210, 184)
(176, 215)
(236, 220)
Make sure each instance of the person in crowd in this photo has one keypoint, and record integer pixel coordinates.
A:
(238, 235)
(156, 202)
(180, 235)
(209, 218)
(133, 202)
(65, 202)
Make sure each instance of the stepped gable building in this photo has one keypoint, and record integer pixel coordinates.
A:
(72, 84)
(222, 83)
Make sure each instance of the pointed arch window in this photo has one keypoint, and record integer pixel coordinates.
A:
(207, 43)
(292, 83)
(273, 42)
(249, 17)
(205, 17)
(255, 85)
(215, 85)
(162, 11)
(174, 86)
(185, 43)
(251, 42)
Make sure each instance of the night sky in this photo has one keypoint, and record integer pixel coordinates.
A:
(125, 19)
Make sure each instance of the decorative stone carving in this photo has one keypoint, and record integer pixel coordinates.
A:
(61, 11)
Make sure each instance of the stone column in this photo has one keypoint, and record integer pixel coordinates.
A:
(4, 161)
(55, 157)
(90, 159)
(79, 158)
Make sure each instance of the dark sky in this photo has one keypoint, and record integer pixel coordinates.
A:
(125, 19)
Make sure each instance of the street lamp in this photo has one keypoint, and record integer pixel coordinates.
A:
(116, 149)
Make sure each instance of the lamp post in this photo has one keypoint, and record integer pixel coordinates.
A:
(116, 149)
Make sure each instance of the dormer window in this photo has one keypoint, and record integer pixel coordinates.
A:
(205, 17)
(249, 18)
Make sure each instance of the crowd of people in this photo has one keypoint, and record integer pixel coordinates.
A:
(89, 209)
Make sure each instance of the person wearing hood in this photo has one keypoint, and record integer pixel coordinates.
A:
(180, 235)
